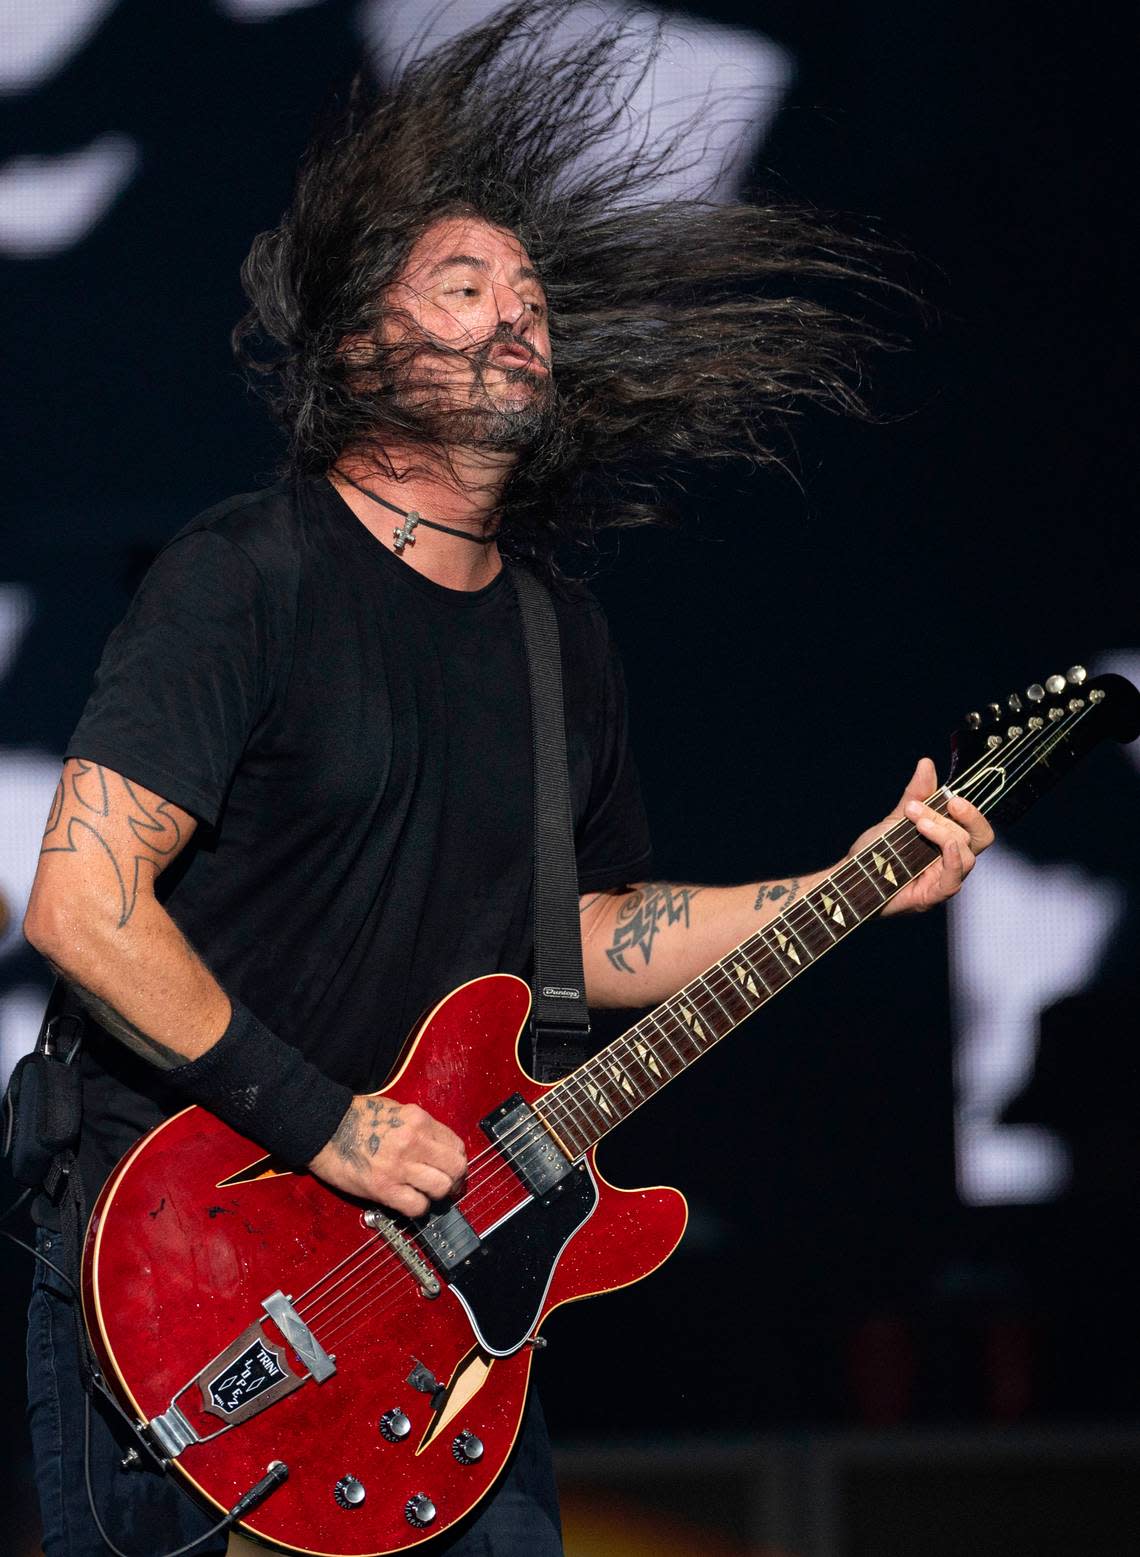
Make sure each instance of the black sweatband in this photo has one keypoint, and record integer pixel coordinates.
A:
(263, 1087)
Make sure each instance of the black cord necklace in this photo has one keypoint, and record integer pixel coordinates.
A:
(404, 536)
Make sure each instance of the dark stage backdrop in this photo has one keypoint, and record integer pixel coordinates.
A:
(914, 1178)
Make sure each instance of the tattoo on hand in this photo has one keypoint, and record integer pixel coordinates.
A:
(774, 891)
(649, 908)
(90, 796)
(380, 1114)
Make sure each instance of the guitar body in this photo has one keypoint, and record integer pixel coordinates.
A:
(196, 1228)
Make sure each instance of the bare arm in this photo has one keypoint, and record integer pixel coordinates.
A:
(94, 915)
(640, 945)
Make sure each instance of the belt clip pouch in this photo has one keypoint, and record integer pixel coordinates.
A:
(43, 1105)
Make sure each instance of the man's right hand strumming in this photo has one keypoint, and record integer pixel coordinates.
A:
(393, 1153)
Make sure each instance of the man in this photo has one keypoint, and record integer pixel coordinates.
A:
(298, 807)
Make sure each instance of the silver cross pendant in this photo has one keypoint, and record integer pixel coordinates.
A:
(403, 536)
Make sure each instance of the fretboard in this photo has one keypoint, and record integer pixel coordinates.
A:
(588, 1103)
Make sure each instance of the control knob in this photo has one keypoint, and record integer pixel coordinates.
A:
(419, 1510)
(349, 1492)
(395, 1425)
(467, 1448)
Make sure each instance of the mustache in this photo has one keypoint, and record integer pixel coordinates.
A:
(503, 335)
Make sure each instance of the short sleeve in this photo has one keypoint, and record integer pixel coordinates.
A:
(182, 680)
(612, 839)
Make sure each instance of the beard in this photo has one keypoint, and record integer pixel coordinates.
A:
(516, 416)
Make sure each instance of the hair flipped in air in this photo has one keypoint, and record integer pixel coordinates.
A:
(682, 329)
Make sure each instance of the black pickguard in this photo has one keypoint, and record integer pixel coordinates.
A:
(503, 1285)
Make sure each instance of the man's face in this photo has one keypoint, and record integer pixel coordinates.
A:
(471, 287)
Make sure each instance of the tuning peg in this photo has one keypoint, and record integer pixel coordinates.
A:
(1076, 675)
(1055, 685)
(974, 721)
(1013, 703)
(994, 711)
(1035, 693)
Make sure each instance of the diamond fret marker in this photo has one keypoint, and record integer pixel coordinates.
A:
(691, 1022)
(832, 909)
(787, 947)
(650, 1063)
(621, 1078)
(745, 979)
(597, 1097)
(884, 867)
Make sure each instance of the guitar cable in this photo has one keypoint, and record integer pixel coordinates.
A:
(276, 1472)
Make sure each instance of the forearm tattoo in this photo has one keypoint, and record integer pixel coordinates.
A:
(92, 802)
(147, 1048)
(776, 891)
(358, 1137)
(649, 908)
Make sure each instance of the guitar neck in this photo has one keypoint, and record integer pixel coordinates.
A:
(588, 1103)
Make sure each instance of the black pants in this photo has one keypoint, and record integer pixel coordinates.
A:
(147, 1514)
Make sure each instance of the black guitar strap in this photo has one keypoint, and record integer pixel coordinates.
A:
(560, 1020)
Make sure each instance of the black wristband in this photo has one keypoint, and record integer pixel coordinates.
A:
(263, 1087)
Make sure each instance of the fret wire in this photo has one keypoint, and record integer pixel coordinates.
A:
(565, 1123)
(614, 1062)
(702, 978)
(680, 1057)
(631, 1042)
(681, 996)
(753, 968)
(807, 899)
(854, 912)
(898, 857)
(780, 955)
(582, 1104)
(663, 1072)
(858, 860)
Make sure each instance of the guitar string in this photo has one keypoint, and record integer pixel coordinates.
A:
(1047, 735)
(525, 1128)
(1050, 736)
(347, 1319)
(349, 1316)
(533, 1126)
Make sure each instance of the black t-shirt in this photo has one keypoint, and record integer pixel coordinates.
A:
(355, 742)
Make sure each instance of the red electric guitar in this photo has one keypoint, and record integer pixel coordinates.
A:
(374, 1368)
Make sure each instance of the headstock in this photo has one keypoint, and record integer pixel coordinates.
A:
(1006, 756)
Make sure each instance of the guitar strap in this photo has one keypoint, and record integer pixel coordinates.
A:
(560, 1019)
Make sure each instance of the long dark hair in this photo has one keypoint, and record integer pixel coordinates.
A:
(682, 329)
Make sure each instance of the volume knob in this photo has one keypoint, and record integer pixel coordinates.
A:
(419, 1510)
(349, 1492)
(395, 1425)
(467, 1448)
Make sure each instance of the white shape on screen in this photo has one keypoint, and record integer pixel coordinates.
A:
(1122, 662)
(739, 75)
(27, 784)
(261, 10)
(40, 36)
(1022, 936)
(50, 203)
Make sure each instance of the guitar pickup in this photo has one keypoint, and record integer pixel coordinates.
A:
(449, 1238)
(527, 1146)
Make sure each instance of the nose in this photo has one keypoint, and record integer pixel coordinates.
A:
(510, 307)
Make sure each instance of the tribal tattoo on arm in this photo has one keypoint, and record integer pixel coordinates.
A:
(776, 892)
(649, 908)
(96, 807)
